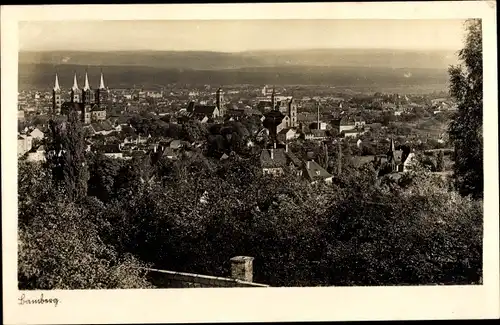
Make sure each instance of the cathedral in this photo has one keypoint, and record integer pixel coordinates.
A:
(91, 104)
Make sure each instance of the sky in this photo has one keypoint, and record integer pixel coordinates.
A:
(240, 35)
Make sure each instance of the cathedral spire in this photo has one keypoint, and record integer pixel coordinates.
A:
(393, 147)
(75, 83)
(56, 84)
(101, 85)
(87, 86)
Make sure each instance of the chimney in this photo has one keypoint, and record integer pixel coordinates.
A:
(272, 153)
(242, 268)
(308, 164)
(274, 145)
(286, 147)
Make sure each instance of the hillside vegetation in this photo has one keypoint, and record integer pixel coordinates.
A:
(41, 76)
(200, 60)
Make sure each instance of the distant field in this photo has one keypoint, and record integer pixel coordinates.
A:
(357, 79)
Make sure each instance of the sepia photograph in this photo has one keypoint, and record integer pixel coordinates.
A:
(248, 153)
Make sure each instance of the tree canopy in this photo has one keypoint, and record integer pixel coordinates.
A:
(466, 130)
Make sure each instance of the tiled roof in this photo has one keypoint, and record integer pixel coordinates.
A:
(291, 156)
(315, 171)
(284, 131)
(96, 108)
(279, 158)
(343, 121)
(204, 109)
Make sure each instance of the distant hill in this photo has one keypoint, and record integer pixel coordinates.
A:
(198, 60)
(41, 76)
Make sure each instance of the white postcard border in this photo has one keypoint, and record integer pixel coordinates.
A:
(260, 304)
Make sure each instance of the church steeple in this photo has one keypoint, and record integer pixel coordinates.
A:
(75, 83)
(101, 85)
(56, 97)
(218, 101)
(87, 93)
(86, 86)
(393, 147)
(56, 84)
(101, 95)
(75, 91)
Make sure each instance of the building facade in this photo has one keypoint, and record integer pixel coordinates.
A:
(91, 105)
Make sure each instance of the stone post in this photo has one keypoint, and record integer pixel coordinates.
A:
(242, 268)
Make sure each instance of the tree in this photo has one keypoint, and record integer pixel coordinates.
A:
(465, 130)
(194, 131)
(66, 147)
(104, 172)
(62, 248)
(34, 188)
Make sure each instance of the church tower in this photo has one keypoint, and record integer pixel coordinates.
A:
(75, 91)
(102, 94)
(56, 98)
(391, 156)
(87, 94)
(87, 101)
(292, 113)
(219, 101)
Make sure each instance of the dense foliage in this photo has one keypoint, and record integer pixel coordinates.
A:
(62, 242)
(466, 129)
(195, 213)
